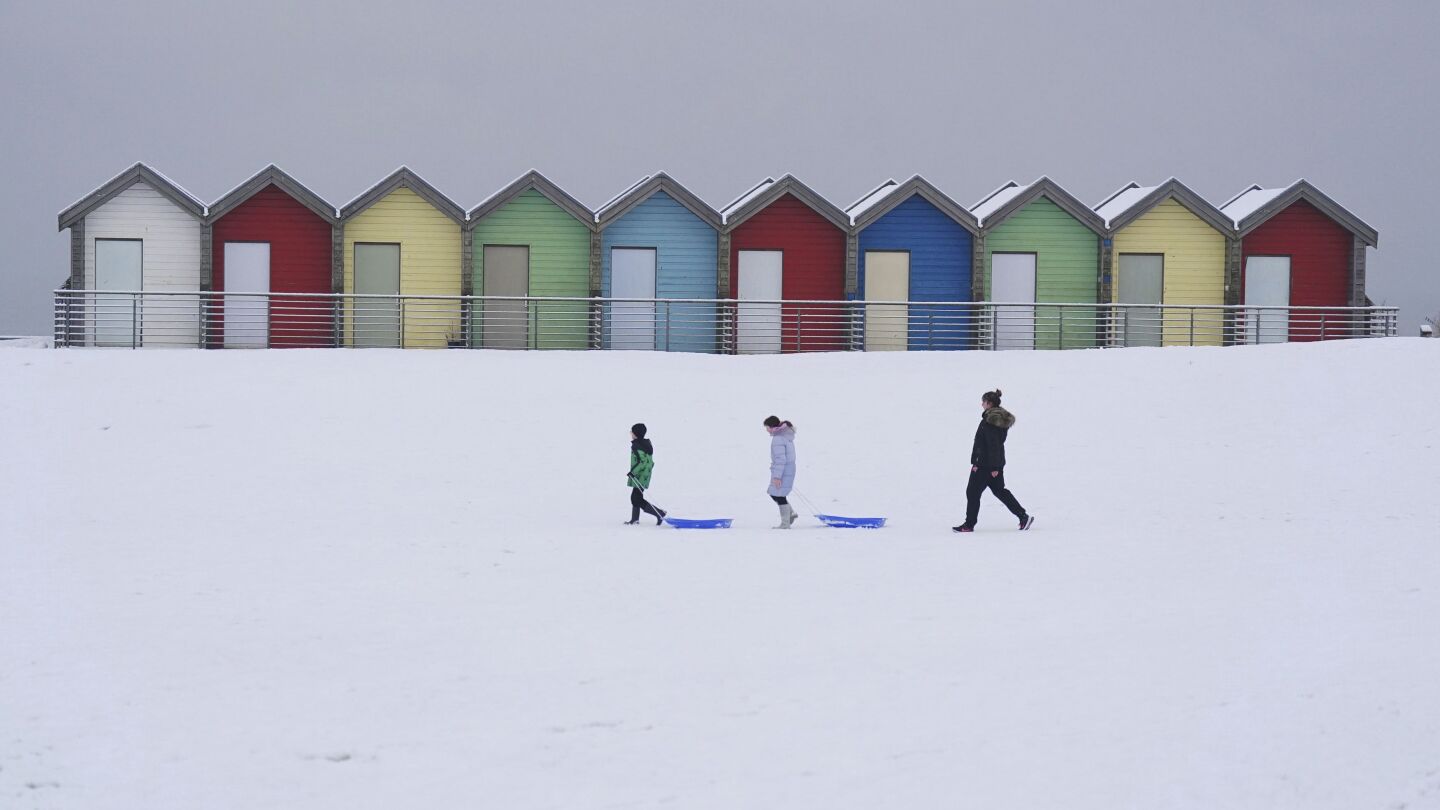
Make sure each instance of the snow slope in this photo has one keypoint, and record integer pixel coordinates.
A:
(382, 579)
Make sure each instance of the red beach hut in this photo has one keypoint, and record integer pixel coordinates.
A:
(785, 242)
(273, 235)
(1299, 248)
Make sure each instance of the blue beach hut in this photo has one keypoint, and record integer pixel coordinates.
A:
(658, 240)
(911, 242)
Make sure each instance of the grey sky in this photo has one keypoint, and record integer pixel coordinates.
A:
(1220, 93)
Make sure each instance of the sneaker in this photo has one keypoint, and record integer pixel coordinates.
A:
(1026, 522)
(962, 528)
(660, 516)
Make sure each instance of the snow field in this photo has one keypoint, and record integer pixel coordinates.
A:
(379, 579)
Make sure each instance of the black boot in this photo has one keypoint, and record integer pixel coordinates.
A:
(659, 515)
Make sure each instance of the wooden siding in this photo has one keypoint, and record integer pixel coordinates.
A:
(171, 255)
(429, 262)
(1067, 268)
(1194, 269)
(1321, 253)
(299, 263)
(559, 262)
(814, 263)
(940, 263)
(685, 267)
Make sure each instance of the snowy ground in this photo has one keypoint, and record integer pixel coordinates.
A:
(331, 579)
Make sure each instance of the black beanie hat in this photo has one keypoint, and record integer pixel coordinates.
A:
(638, 429)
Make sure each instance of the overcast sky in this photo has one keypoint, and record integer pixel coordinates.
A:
(1220, 93)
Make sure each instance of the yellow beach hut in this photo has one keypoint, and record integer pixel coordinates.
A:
(1166, 245)
(402, 238)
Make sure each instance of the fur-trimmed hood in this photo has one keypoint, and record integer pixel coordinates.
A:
(999, 417)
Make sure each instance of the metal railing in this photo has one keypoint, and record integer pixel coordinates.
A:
(134, 319)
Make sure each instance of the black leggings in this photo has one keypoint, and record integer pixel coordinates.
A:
(780, 499)
(638, 502)
(981, 480)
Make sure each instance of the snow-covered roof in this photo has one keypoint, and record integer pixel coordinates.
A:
(739, 202)
(178, 187)
(622, 195)
(404, 176)
(1122, 201)
(273, 173)
(547, 188)
(1249, 201)
(996, 200)
(871, 199)
(401, 168)
(137, 173)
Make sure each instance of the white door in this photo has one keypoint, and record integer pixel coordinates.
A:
(118, 266)
(1012, 282)
(761, 274)
(887, 278)
(247, 318)
(1142, 280)
(1267, 283)
(632, 275)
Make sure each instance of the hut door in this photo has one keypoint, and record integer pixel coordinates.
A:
(506, 324)
(1013, 282)
(887, 278)
(377, 272)
(118, 266)
(1142, 280)
(1267, 284)
(247, 318)
(632, 275)
(761, 275)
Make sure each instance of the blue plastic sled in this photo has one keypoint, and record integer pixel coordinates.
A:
(708, 523)
(838, 522)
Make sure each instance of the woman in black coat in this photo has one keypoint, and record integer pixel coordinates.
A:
(987, 464)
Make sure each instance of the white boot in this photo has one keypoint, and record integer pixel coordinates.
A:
(784, 523)
(789, 516)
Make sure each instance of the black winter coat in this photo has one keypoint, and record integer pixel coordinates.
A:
(989, 450)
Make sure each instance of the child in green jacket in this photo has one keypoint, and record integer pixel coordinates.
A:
(642, 462)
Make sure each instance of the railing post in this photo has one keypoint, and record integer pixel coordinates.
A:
(134, 320)
(402, 322)
(1192, 328)
(1062, 326)
(1322, 324)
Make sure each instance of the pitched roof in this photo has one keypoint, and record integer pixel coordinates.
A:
(647, 187)
(540, 183)
(268, 176)
(890, 194)
(1254, 206)
(1134, 200)
(139, 173)
(1004, 202)
(403, 177)
(769, 190)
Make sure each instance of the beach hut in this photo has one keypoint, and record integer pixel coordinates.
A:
(531, 238)
(1298, 248)
(402, 237)
(1168, 246)
(140, 231)
(785, 242)
(658, 240)
(911, 242)
(1040, 245)
(274, 237)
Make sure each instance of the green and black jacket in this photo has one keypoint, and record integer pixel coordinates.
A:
(642, 461)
